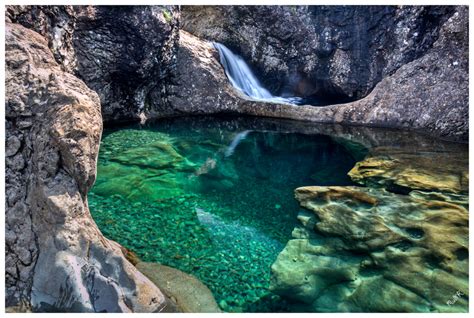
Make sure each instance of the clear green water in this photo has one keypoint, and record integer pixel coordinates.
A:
(212, 198)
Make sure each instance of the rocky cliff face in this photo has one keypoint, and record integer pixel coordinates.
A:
(57, 259)
(428, 94)
(335, 53)
(125, 54)
(55, 23)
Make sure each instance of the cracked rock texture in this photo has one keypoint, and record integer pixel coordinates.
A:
(56, 258)
(126, 54)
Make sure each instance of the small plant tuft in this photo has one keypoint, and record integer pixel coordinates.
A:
(167, 15)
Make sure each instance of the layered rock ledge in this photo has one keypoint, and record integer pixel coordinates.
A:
(404, 238)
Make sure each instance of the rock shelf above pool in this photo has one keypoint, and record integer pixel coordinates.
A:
(379, 249)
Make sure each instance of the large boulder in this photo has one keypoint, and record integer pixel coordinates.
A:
(200, 85)
(188, 292)
(56, 257)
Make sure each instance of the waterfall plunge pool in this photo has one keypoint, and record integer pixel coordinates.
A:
(214, 197)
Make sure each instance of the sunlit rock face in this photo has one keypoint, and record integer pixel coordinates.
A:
(57, 259)
(404, 171)
(399, 245)
(188, 292)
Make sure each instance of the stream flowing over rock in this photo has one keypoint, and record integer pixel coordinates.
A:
(57, 259)
(328, 51)
(413, 77)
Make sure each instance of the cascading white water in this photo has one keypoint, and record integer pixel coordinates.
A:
(243, 79)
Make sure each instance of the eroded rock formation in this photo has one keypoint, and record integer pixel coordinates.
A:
(410, 249)
(188, 292)
(126, 55)
(200, 84)
(422, 84)
(57, 259)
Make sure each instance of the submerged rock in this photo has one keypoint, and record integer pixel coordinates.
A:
(189, 293)
(400, 244)
(370, 250)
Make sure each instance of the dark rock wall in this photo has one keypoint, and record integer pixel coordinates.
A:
(331, 52)
(125, 54)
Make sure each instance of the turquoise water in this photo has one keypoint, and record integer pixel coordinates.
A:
(213, 197)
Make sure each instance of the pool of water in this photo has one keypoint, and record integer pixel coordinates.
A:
(213, 197)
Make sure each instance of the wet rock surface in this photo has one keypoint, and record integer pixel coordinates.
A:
(190, 294)
(403, 172)
(57, 259)
(399, 245)
(200, 85)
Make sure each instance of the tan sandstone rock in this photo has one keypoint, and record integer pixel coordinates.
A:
(366, 249)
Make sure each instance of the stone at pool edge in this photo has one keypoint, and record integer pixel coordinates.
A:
(189, 293)
(362, 240)
(435, 172)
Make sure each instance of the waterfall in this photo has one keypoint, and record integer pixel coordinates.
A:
(243, 79)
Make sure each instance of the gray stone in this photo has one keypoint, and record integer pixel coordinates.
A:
(48, 224)
(189, 293)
